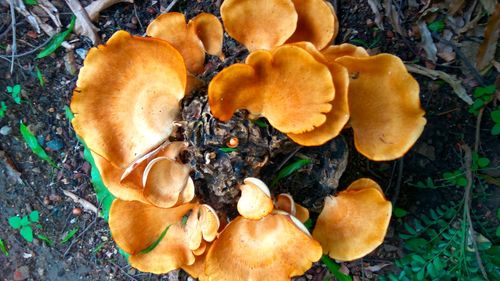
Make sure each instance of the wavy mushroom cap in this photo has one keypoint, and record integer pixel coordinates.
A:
(127, 96)
(338, 116)
(255, 201)
(333, 52)
(286, 85)
(384, 102)
(209, 222)
(272, 248)
(286, 203)
(259, 24)
(202, 34)
(136, 226)
(353, 223)
(317, 23)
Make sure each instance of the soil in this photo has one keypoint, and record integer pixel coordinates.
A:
(28, 183)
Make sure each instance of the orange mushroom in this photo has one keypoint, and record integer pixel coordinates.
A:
(125, 107)
(317, 23)
(201, 34)
(286, 203)
(259, 24)
(286, 85)
(255, 201)
(384, 103)
(272, 248)
(353, 223)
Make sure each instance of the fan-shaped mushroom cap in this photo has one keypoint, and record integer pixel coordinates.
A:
(353, 223)
(259, 24)
(272, 248)
(332, 52)
(197, 269)
(127, 96)
(287, 86)
(209, 222)
(202, 33)
(286, 203)
(317, 23)
(386, 115)
(255, 201)
(338, 116)
(136, 226)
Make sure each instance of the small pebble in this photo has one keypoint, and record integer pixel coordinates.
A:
(77, 211)
(55, 144)
(82, 53)
(22, 273)
(5, 130)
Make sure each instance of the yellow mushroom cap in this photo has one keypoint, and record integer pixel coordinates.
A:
(317, 23)
(209, 30)
(127, 96)
(384, 102)
(286, 85)
(286, 203)
(209, 222)
(136, 226)
(259, 24)
(255, 201)
(272, 248)
(353, 223)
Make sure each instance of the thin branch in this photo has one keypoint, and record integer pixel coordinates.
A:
(13, 27)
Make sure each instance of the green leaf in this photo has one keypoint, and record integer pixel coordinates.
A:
(228, 149)
(481, 91)
(33, 144)
(25, 221)
(461, 181)
(497, 232)
(69, 235)
(494, 131)
(27, 233)
(57, 40)
(3, 248)
(39, 75)
(308, 224)
(483, 162)
(495, 116)
(98, 247)
(288, 170)
(45, 239)
(498, 213)
(3, 109)
(30, 2)
(155, 243)
(436, 26)
(260, 123)
(15, 222)
(399, 213)
(15, 92)
(34, 216)
(335, 269)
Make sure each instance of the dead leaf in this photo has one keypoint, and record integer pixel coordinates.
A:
(489, 5)
(95, 8)
(376, 7)
(427, 42)
(488, 48)
(450, 79)
(88, 28)
(377, 267)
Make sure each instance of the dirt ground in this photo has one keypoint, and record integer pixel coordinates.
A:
(28, 183)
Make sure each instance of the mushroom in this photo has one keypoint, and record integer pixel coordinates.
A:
(259, 24)
(201, 34)
(286, 85)
(317, 23)
(286, 203)
(255, 201)
(353, 223)
(125, 107)
(271, 248)
(386, 115)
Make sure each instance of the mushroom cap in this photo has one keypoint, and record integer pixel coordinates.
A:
(209, 30)
(272, 248)
(386, 115)
(333, 52)
(353, 223)
(127, 96)
(172, 28)
(259, 24)
(136, 226)
(337, 117)
(286, 85)
(255, 201)
(317, 23)
(285, 202)
(209, 222)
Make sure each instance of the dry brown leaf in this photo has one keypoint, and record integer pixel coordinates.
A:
(488, 48)
(427, 42)
(88, 28)
(450, 79)
(95, 8)
(376, 7)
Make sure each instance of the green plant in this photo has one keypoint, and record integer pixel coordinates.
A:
(57, 40)
(25, 224)
(495, 116)
(3, 248)
(436, 26)
(483, 96)
(33, 144)
(15, 92)
(69, 235)
(3, 109)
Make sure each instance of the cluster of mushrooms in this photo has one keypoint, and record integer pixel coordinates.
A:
(127, 99)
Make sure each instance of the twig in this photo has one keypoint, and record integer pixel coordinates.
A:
(468, 175)
(33, 50)
(398, 182)
(85, 204)
(13, 26)
(123, 271)
(138, 19)
(288, 158)
(80, 235)
(170, 6)
(478, 129)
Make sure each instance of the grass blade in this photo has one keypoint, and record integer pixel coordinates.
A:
(3, 248)
(33, 144)
(70, 235)
(290, 169)
(335, 269)
(57, 40)
(155, 243)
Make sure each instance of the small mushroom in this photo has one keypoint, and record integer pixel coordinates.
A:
(126, 98)
(386, 115)
(202, 34)
(286, 203)
(286, 85)
(255, 201)
(353, 223)
(271, 248)
(259, 24)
